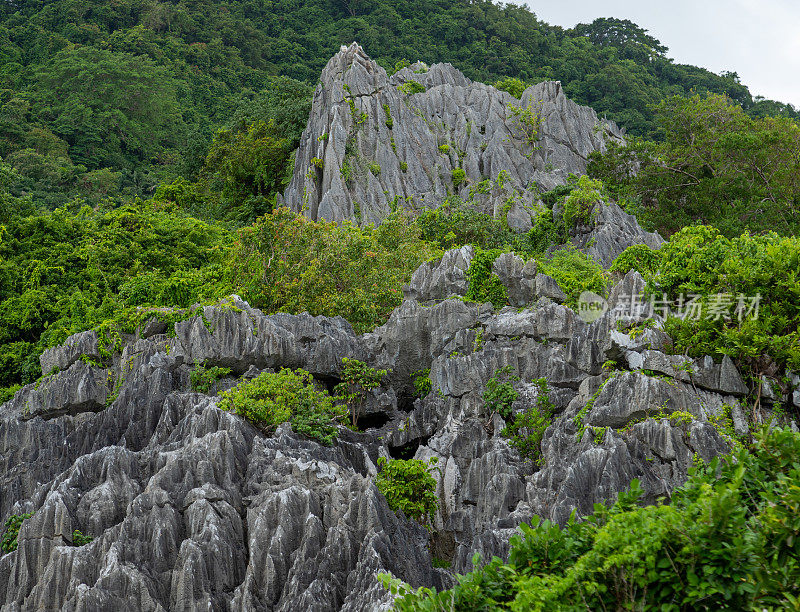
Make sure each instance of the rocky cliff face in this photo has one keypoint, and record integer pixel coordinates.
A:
(191, 507)
(375, 142)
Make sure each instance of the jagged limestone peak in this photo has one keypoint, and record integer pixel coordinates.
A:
(374, 143)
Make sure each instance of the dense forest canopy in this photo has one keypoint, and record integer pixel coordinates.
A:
(100, 99)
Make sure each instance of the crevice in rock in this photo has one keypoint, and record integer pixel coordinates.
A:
(409, 449)
(405, 401)
(330, 382)
(442, 545)
(373, 421)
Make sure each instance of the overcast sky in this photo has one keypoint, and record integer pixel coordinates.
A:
(758, 39)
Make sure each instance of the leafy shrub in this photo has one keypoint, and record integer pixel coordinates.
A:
(638, 257)
(529, 122)
(545, 233)
(358, 379)
(67, 271)
(403, 63)
(512, 85)
(9, 542)
(483, 284)
(78, 539)
(729, 540)
(445, 149)
(422, 382)
(527, 428)
(456, 223)
(575, 272)
(411, 87)
(7, 393)
(408, 485)
(374, 168)
(203, 378)
(581, 201)
(459, 177)
(500, 394)
(287, 263)
(699, 260)
(287, 396)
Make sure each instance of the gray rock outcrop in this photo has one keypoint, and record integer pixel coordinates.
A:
(611, 232)
(191, 507)
(374, 143)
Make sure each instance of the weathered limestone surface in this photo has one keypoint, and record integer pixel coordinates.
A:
(191, 507)
(369, 147)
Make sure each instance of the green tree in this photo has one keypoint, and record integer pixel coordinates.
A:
(114, 109)
(714, 165)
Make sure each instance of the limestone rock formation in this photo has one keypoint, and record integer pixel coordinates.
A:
(191, 507)
(374, 143)
(611, 232)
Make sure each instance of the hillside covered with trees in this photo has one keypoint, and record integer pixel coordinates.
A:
(110, 99)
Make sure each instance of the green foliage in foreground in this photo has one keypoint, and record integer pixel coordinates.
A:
(288, 396)
(729, 540)
(701, 261)
(9, 542)
(408, 485)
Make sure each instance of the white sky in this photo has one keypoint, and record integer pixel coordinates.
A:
(758, 39)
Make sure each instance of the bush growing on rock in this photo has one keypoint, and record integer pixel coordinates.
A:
(358, 379)
(500, 393)
(288, 396)
(575, 272)
(408, 485)
(9, 542)
(67, 271)
(81, 539)
(527, 428)
(514, 86)
(202, 378)
(456, 223)
(580, 203)
(700, 261)
(728, 540)
(485, 285)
